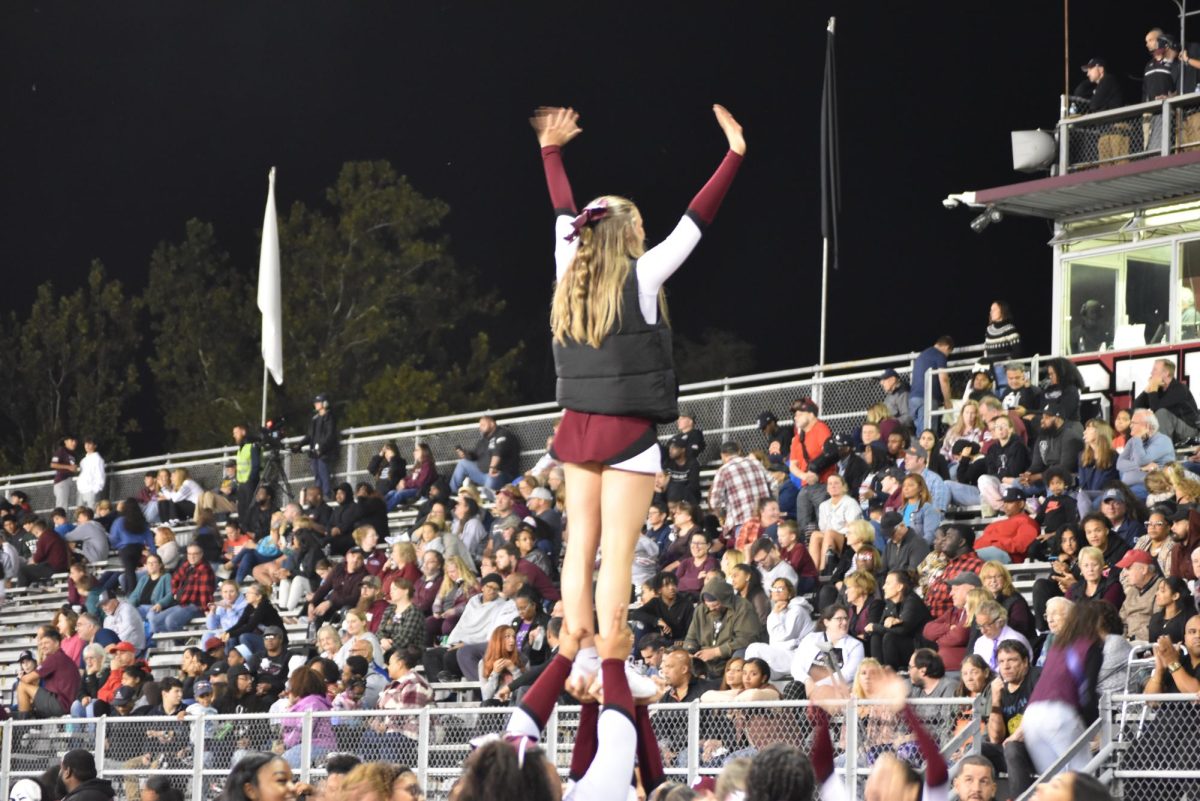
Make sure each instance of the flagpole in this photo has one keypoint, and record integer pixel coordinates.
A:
(264, 395)
(829, 131)
(824, 292)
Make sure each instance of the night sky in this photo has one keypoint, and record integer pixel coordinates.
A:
(122, 120)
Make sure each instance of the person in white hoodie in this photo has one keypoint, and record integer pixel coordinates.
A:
(790, 619)
(90, 480)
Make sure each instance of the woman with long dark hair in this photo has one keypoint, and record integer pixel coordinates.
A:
(1173, 606)
(1001, 342)
(1064, 700)
(261, 777)
(131, 535)
(1064, 387)
(612, 355)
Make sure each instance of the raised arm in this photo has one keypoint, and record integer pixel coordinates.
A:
(555, 127)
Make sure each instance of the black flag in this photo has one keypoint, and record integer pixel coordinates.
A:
(831, 182)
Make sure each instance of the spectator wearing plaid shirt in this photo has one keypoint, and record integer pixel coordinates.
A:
(395, 738)
(956, 543)
(403, 624)
(192, 589)
(740, 483)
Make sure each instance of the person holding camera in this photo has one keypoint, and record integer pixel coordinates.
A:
(322, 443)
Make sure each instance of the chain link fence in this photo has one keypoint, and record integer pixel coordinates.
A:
(1126, 134)
(1161, 759)
(197, 752)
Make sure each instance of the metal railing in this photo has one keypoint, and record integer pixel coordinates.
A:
(722, 408)
(960, 376)
(696, 740)
(1155, 128)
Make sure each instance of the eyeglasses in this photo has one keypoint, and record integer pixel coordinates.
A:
(778, 589)
(839, 619)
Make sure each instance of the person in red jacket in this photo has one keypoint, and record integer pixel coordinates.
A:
(808, 462)
(951, 630)
(1008, 539)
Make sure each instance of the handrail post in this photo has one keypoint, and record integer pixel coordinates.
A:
(306, 733)
(351, 461)
(552, 738)
(6, 728)
(1064, 148)
(1167, 130)
(198, 757)
(693, 761)
(423, 749)
(851, 725)
(725, 412)
(99, 750)
(927, 410)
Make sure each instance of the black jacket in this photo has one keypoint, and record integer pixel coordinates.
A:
(1008, 461)
(683, 481)
(387, 472)
(322, 436)
(92, 790)
(911, 611)
(1176, 399)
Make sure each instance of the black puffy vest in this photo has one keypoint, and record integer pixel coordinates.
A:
(631, 374)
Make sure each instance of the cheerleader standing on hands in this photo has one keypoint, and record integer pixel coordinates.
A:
(616, 377)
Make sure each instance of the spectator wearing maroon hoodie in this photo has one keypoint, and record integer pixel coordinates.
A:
(340, 589)
(49, 557)
(508, 560)
(425, 590)
(420, 478)
(792, 549)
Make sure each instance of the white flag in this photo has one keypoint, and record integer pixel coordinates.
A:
(270, 302)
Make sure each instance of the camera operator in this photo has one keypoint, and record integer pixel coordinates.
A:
(249, 460)
(322, 442)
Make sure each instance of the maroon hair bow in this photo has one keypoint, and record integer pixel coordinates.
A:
(590, 214)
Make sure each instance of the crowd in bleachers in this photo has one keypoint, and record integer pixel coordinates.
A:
(804, 560)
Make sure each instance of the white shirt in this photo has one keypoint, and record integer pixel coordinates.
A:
(127, 624)
(810, 647)
(90, 480)
(985, 647)
(782, 570)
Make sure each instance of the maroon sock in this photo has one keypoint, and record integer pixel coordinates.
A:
(540, 699)
(649, 759)
(585, 741)
(616, 687)
(821, 751)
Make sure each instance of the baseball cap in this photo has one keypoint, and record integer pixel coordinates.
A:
(272, 631)
(966, 577)
(1093, 62)
(805, 405)
(124, 695)
(542, 494)
(918, 451)
(239, 670)
(1134, 557)
(888, 373)
(320, 397)
(245, 651)
(492, 578)
(202, 687)
(27, 656)
(1053, 409)
(122, 646)
(213, 642)
(890, 520)
(25, 790)
(843, 440)
(765, 419)
(1012, 493)
(1113, 495)
(1182, 513)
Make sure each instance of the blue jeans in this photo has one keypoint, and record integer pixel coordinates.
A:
(292, 755)
(321, 475)
(467, 469)
(173, 619)
(246, 560)
(251, 640)
(916, 405)
(399, 496)
(994, 554)
(963, 494)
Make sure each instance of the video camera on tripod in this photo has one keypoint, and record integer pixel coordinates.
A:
(271, 434)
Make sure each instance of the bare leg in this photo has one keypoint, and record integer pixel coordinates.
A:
(25, 693)
(583, 514)
(816, 548)
(624, 500)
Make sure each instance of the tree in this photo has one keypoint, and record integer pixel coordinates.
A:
(204, 327)
(717, 354)
(376, 312)
(73, 370)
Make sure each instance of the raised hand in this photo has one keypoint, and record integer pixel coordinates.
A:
(555, 125)
(732, 129)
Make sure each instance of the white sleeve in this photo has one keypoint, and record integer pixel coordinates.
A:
(521, 723)
(564, 251)
(834, 788)
(659, 262)
(611, 771)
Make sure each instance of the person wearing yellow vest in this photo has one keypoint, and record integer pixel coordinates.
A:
(248, 458)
